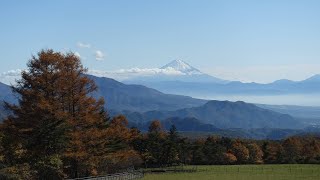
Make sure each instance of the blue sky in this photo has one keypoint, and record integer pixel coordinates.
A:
(239, 40)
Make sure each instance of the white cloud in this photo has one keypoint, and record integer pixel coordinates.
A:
(99, 55)
(10, 77)
(123, 74)
(260, 74)
(77, 54)
(83, 45)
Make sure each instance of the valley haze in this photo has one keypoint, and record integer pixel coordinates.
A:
(141, 104)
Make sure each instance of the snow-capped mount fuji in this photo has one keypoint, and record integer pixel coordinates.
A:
(181, 66)
(176, 70)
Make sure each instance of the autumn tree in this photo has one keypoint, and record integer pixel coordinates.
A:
(37, 123)
(185, 150)
(171, 150)
(154, 148)
(255, 154)
(229, 158)
(272, 152)
(214, 150)
(155, 127)
(56, 119)
(240, 151)
(12, 165)
(292, 148)
(121, 155)
(198, 156)
(311, 150)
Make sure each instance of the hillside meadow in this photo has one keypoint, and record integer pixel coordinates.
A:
(244, 172)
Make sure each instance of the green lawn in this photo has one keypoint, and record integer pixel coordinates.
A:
(245, 172)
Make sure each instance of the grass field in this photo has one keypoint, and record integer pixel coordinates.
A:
(244, 172)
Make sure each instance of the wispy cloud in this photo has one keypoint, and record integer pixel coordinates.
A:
(83, 45)
(99, 55)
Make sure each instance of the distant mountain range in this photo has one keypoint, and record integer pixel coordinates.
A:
(296, 111)
(201, 89)
(142, 104)
(192, 82)
(179, 77)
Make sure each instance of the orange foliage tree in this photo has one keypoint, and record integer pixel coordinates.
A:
(240, 151)
(57, 122)
(121, 155)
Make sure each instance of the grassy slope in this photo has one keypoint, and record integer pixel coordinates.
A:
(245, 172)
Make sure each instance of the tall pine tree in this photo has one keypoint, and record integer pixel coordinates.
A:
(56, 119)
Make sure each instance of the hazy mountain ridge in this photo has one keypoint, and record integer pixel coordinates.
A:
(182, 124)
(296, 111)
(224, 114)
(309, 115)
(197, 89)
(142, 104)
(194, 128)
(262, 134)
(139, 98)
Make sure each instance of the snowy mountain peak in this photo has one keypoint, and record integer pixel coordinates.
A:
(181, 66)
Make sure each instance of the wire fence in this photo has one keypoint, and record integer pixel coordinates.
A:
(244, 172)
(266, 172)
(118, 176)
(175, 169)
